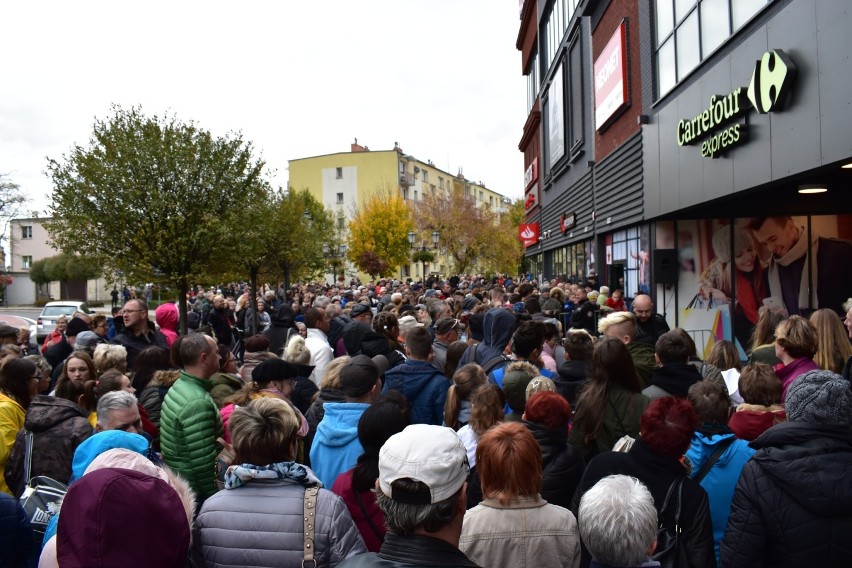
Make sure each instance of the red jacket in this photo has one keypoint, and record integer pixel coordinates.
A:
(752, 420)
(367, 516)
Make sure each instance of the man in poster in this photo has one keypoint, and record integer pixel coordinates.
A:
(789, 282)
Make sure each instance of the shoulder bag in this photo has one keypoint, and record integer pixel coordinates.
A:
(42, 495)
(671, 549)
(310, 525)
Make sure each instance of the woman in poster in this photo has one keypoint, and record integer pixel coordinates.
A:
(717, 280)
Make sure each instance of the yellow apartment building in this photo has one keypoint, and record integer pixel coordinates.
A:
(343, 180)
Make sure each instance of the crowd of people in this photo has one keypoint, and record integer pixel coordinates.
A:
(458, 422)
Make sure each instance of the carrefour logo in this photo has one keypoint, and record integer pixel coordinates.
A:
(770, 82)
(717, 126)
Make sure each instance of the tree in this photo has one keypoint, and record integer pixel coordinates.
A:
(475, 236)
(378, 234)
(64, 267)
(12, 203)
(154, 197)
(302, 226)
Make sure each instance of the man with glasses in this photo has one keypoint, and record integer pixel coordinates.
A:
(138, 333)
(446, 332)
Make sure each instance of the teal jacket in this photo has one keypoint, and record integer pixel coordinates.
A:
(189, 426)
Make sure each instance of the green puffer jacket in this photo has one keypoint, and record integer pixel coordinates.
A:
(189, 426)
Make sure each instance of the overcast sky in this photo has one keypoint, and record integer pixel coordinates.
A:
(441, 77)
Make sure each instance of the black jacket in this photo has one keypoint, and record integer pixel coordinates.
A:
(658, 472)
(793, 502)
(571, 377)
(58, 427)
(672, 379)
(650, 331)
(411, 551)
(583, 317)
(562, 464)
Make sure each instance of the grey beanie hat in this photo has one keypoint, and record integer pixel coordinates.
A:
(820, 397)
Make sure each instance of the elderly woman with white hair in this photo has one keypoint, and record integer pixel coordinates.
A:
(261, 517)
(618, 522)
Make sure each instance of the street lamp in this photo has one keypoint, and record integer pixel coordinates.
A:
(334, 252)
(423, 249)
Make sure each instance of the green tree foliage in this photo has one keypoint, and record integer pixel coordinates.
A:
(63, 267)
(302, 226)
(154, 197)
(377, 234)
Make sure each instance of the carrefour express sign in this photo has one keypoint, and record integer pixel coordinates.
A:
(718, 127)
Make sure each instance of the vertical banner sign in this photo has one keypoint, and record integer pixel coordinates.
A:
(611, 77)
(528, 233)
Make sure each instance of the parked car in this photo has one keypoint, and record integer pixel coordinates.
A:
(20, 321)
(47, 320)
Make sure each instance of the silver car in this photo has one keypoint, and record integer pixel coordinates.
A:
(46, 322)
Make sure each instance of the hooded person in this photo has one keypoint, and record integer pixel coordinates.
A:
(335, 447)
(149, 499)
(167, 317)
(792, 505)
(282, 327)
(498, 326)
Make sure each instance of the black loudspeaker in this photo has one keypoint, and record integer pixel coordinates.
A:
(665, 266)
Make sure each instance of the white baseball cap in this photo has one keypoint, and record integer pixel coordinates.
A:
(432, 455)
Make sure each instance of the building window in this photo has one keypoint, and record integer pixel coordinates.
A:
(415, 195)
(341, 222)
(432, 189)
(480, 196)
(688, 31)
(339, 173)
(26, 231)
(532, 83)
(425, 176)
(26, 261)
(440, 182)
(340, 199)
(491, 201)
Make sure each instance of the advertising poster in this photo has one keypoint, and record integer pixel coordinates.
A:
(735, 270)
(556, 117)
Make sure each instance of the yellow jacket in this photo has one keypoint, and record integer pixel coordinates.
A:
(11, 420)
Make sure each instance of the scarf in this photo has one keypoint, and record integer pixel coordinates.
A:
(796, 252)
(239, 475)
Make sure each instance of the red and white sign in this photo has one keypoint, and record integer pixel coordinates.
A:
(531, 200)
(611, 77)
(531, 175)
(567, 222)
(528, 233)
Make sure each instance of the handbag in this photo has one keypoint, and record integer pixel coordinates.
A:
(310, 507)
(671, 549)
(224, 460)
(42, 495)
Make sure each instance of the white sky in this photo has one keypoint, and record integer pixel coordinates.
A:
(441, 77)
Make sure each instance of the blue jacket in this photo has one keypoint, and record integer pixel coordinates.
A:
(17, 547)
(425, 388)
(498, 325)
(336, 447)
(721, 480)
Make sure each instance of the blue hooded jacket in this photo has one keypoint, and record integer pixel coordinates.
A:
(336, 447)
(424, 386)
(498, 327)
(721, 480)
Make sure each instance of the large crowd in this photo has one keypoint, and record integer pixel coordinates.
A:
(469, 421)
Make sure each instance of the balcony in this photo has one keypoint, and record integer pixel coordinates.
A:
(406, 180)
